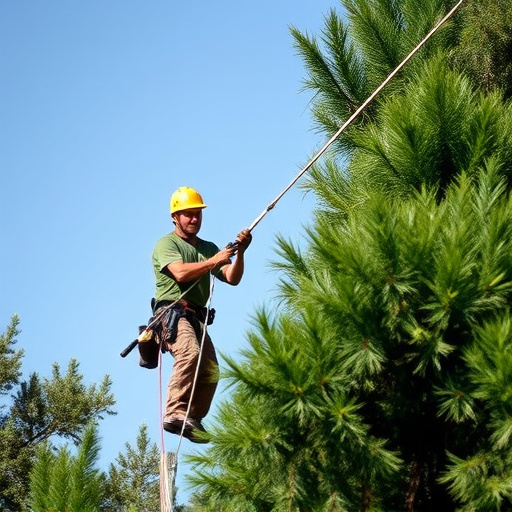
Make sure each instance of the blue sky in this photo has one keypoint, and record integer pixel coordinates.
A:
(106, 107)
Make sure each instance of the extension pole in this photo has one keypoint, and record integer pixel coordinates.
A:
(352, 117)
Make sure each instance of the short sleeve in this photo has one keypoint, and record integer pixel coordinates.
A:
(165, 252)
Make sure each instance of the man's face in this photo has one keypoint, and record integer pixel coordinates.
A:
(189, 220)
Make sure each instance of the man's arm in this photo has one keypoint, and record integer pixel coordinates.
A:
(185, 272)
(233, 273)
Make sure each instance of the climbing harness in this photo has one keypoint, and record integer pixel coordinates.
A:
(146, 331)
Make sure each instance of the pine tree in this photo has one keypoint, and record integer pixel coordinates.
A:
(38, 410)
(133, 480)
(426, 136)
(66, 483)
(381, 380)
(10, 359)
(485, 49)
(351, 58)
(377, 379)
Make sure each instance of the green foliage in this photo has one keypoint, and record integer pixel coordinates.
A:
(10, 359)
(483, 480)
(292, 437)
(383, 382)
(426, 137)
(41, 477)
(349, 60)
(133, 481)
(65, 483)
(40, 409)
(431, 133)
(485, 48)
(380, 366)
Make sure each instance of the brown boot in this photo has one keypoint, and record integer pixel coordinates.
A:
(193, 431)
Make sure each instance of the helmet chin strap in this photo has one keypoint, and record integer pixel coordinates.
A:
(182, 233)
(178, 224)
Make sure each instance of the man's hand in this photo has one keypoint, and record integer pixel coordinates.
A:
(243, 240)
(223, 256)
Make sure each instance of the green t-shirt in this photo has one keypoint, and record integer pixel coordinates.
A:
(171, 248)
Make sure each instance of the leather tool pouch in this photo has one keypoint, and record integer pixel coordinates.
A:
(148, 350)
(162, 335)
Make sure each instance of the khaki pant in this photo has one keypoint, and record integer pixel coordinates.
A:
(185, 351)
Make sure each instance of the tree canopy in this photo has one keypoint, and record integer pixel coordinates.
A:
(382, 380)
(37, 410)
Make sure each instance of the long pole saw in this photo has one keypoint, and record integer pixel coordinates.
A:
(352, 117)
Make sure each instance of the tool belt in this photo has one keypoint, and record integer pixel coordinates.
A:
(191, 311)
(164, 332)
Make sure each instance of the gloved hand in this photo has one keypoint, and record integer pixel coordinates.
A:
(243, 239)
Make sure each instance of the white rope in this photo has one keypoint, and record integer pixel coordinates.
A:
(200, 355)
(166, 488)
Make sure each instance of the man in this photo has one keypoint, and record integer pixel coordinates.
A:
(183, 265)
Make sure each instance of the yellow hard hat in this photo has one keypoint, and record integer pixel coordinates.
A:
(186, 198)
